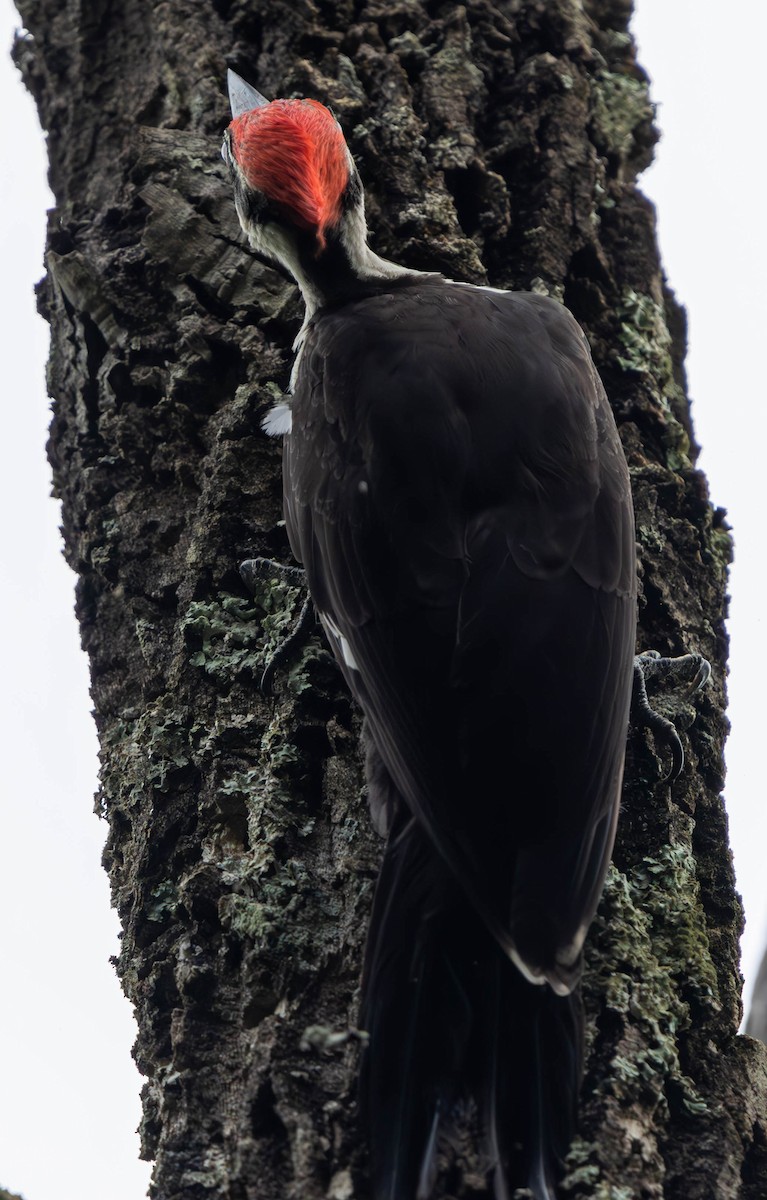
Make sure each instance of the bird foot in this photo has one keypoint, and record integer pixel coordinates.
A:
(254, 573)
(681, 677)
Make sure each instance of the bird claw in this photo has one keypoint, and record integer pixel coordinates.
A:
(255, 569)
(690, 669)
(252, 572)
(701, 676)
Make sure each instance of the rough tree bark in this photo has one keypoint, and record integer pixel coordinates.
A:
(499, 141)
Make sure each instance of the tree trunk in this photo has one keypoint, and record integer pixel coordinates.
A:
(499, 142)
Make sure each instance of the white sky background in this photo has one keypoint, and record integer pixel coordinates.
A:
(68, 1088)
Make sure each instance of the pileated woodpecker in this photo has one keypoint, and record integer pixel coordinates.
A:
(455, 487)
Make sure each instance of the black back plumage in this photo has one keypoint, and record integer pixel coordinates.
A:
(456, 489)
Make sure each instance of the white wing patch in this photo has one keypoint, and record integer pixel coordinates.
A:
(340, 640)
(279, 420)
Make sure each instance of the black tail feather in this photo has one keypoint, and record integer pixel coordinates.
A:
(530, 1065)
(449, 1016)
(558, 1071)
(417, 1012)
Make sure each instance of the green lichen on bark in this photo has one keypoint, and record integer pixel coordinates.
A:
(268, 905)
(645, 347)
(649, 972)
(648, 926)
(224, 636)
(645, 339)
(142, 750)
(232, 636)
(621, 106)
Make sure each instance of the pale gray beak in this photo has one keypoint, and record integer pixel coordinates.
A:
(243, 97)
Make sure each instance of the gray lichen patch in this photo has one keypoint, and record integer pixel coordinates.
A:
(667, 889)
(229, 635)
(224, 635)
(272, 903)
(649, 959)
(277, 921)
(583, 1176)
(645, 340)
(621, 107)
(141, 752)
(452, 87)
(645, 348)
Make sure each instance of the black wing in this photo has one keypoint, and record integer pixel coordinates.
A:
(456, 489)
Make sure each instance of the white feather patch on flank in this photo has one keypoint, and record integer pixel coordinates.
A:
(279, 420)
(346, 650)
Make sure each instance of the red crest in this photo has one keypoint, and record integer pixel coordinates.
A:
(294, 152)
